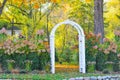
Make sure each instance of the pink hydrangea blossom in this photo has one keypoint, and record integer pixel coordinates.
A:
(105, 40)
(40, 41)
(48, 50)
(118, 55)
(43, 50)
(95, 47)
(106, 51)
(117, 33)
(3, 30)
(40, 32)
(99, 35)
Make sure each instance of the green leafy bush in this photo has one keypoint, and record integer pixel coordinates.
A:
(22, 50)
(91, 67)
(109, 66)
(116, 66)
(10, 64)
(91, 44)
(3, 23)
(100, 61)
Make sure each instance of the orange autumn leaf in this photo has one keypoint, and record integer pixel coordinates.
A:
(36, 6)
(43, 1)
(53, 1)
(87, 1)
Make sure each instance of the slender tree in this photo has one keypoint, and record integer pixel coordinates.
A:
(2, 6)
(98, 18)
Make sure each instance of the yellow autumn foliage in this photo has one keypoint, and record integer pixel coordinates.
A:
(25, 32)
(109, 32)
(112, 9)
(0, 4)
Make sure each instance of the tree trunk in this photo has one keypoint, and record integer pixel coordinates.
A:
(47, 28)
(2, 6)
(98, 19)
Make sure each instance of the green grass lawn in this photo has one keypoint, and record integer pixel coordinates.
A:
(48, 76)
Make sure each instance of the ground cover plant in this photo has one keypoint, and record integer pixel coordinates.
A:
(48, 76)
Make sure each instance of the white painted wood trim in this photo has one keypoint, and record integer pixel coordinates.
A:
(82, 64)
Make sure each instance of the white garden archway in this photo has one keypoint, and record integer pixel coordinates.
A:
(82, 64)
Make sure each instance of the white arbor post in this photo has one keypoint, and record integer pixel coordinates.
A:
(82, 64)
(52, 55)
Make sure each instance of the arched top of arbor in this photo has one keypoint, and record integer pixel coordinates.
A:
(72, 23)
(82, 64)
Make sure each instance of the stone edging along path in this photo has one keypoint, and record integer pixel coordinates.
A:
(96, 78)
